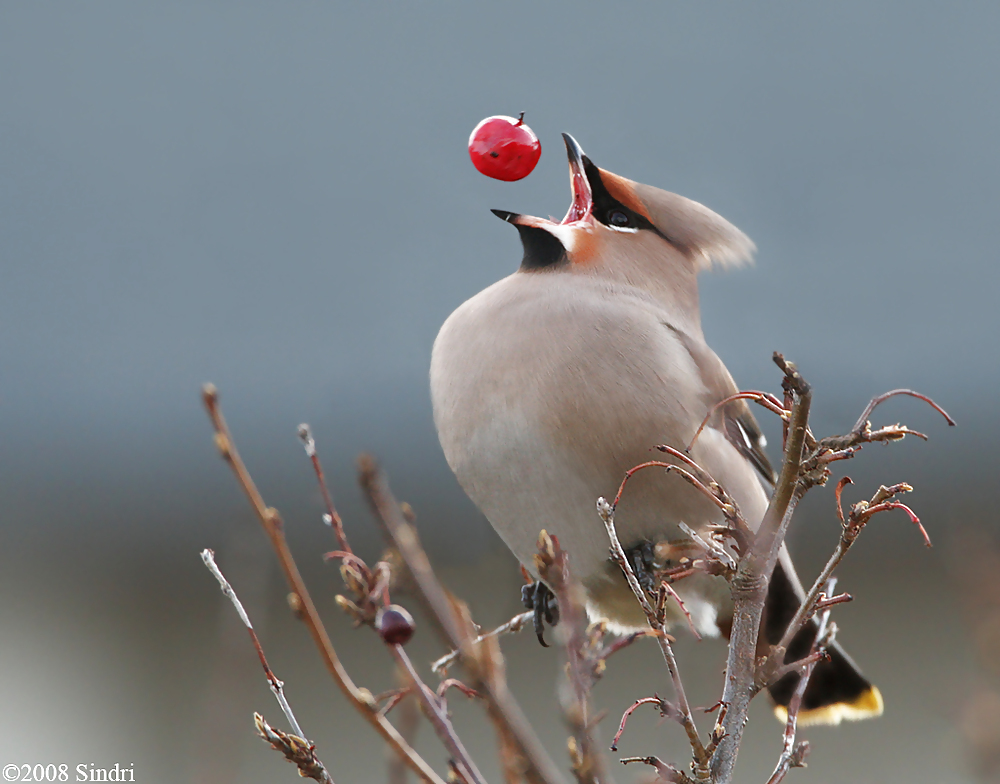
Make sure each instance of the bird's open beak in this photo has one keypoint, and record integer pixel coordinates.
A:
(580, 209)
(583, 197)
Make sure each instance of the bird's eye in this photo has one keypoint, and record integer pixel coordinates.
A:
(618, 218)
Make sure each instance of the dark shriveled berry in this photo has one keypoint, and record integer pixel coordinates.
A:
(394, 625)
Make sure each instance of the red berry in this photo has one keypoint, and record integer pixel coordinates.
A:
(504, 148)
(394, 624)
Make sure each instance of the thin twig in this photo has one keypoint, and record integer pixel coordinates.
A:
(606, 511)
(749, 586)
(299, 751)
(875, 401)
(793, 754)
(439, 719)
(552, 564)
(273, 527)
(392, 698)
(710, 548)
(407, 722)
(686, 475)
(858, 518)
(455, 683)
(208, 556)
(296, 748)
(332, 517)
(667, 710)
(766, 399)
(503, 709)
(727, 505)
(664, 771)
(515, 624)
(680, 603)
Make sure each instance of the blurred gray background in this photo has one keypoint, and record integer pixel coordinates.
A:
(277, 197)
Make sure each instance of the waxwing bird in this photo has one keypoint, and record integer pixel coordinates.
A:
(551, 383)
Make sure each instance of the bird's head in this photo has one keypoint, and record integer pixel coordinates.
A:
(625, 231)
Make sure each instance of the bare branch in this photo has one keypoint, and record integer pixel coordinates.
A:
(766, 399)
(667, 710)
(512, 626)
(749, 586)
(664, 771)
(878, 399)
(503, 708)
(297, 750)
(438, 716)
(408, 722)
(606, 511)
(859, 516)
(552, 564)
(665, 586)
(793, 754)
(270, 520)
(277, 687)
(332, 517)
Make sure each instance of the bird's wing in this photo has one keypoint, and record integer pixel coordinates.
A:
(745, 434)
(738, 422)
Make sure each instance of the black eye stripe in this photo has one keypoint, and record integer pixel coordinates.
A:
(606, 205)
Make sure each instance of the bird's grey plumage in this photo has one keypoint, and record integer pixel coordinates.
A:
(566, 382)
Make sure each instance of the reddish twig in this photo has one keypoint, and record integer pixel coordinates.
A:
(606, 511)
(878, 399)
(503, 709)
(793, 754)
(455, 683)
(295, 747)
(664, 771)
(765, 399)
(660, 464)
(270, 520)
(684, 609)
(332, 517)
(350, 558)
(887, 505)
(667, 710)
(393, 699)
(515, 624)
(552, 565)
(437, 715)
(837, 493)
(841, 598)
(716, 494)
(859, 516)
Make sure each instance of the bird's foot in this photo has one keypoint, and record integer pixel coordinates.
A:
(538, 597)
(642, 558)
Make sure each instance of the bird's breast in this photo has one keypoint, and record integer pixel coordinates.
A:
(545, 392)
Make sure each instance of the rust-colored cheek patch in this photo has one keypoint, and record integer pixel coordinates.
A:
(586, 248)
(624, 191)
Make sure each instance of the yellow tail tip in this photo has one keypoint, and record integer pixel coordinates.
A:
(866, 705)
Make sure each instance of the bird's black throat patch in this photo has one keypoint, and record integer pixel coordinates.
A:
(542, 250)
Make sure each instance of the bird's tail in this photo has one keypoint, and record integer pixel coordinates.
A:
(837, 690)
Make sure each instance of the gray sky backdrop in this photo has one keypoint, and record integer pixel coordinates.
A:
(277, 197)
